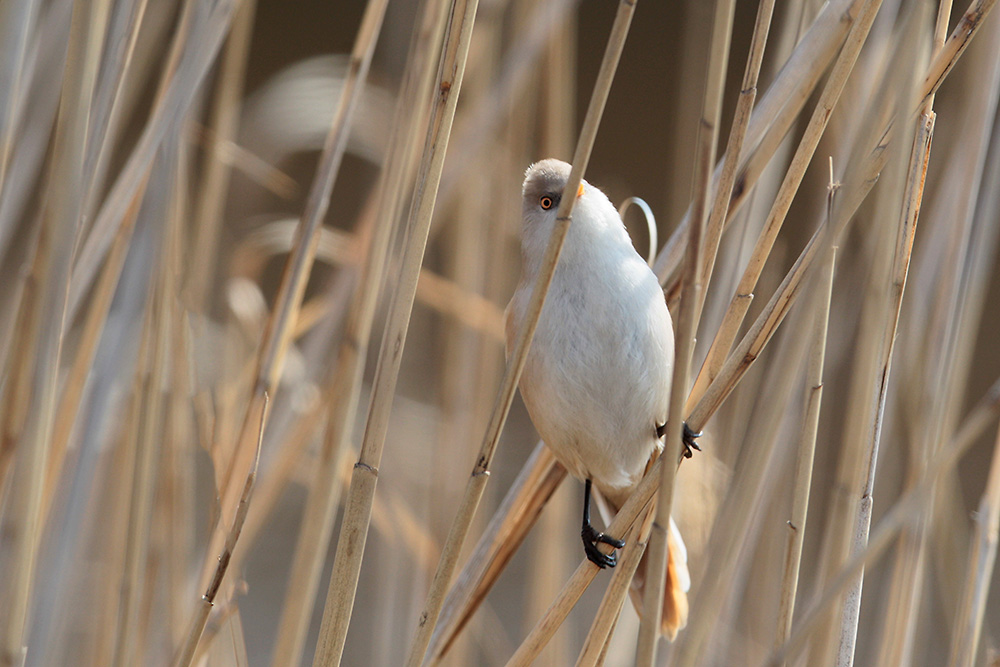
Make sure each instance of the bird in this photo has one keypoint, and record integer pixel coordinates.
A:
(596, 380)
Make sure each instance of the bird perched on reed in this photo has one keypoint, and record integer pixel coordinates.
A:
(596, 381)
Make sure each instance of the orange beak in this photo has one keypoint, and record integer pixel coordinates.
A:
(580, 191)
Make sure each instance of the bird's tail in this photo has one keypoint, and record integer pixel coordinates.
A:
(676, 586)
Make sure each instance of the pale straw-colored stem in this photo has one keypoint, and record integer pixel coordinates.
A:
(517, 513)
(739, 305)
(770, 121)
(280, 324)
(357, 513)
(149, 446)
(687, 327)
(515, 364)
(60, 224)
(187, 651)
(734, 146)
(805, 455)
(909, 505)
(917, 170)
(982, 554)
(222, 127)
(324, 492)
(596, 641)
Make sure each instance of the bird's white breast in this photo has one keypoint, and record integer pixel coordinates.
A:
(597, 377)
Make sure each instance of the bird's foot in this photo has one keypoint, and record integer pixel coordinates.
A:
(591, 538)
(689, 441)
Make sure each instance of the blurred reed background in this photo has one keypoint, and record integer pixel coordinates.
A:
(210, 216)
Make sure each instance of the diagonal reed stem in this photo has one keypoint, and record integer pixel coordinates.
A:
(740, 303)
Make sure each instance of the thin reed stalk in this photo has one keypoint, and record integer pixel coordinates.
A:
(345, 385)
(221, 130)
(357, 513)
(982, 555)
(185, 655)
(806, 451)
(906, 508)
(60, 224)
(690, 306)
(948, 317)
(900, 264)
(596, 642)
(518, 356)
(738, 307)
(149, 446)
(734, 146)
(515, 516)
(770, 121)
(280, 325)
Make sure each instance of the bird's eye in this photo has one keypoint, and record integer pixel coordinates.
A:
(546, 202)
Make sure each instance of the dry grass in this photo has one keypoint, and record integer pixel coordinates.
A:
(184, 466)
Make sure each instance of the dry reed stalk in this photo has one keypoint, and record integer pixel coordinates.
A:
(916, 172)
(551, 557)
(149, 446)
(908, 507)
(908, 569)
(187, 650)
(950, 315)
(107, 109)
(72, 393)
(480, 472)
(93, 326)
(806, 449)
(596, 642)
(345, 385)
(760, 452)
(687, 327)
(734, 146)
(357, 512)
(193, 50)
(222, 127)
(60, 222)
(277, 333)
(738, 307)
(517, 513)
(20, 18)
(982, 554)
(770, 120)
(584, 574)
(121, 476)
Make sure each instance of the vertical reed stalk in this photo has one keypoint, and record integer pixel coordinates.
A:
(324, 492)
(806, 452)
(50, 273)
(185, 655)
(280, 325)
(515, 364)
(357, 513)
(982, 554)
(783, 201)
(687, 327)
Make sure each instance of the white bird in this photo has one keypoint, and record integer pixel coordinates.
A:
(596, 382)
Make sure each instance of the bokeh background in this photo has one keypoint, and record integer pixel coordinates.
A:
(128, 493)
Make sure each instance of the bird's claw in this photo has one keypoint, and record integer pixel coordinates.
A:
(689, 441)
(591, 538)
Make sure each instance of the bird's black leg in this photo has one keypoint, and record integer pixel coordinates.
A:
(591, 538)
(688, 440)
